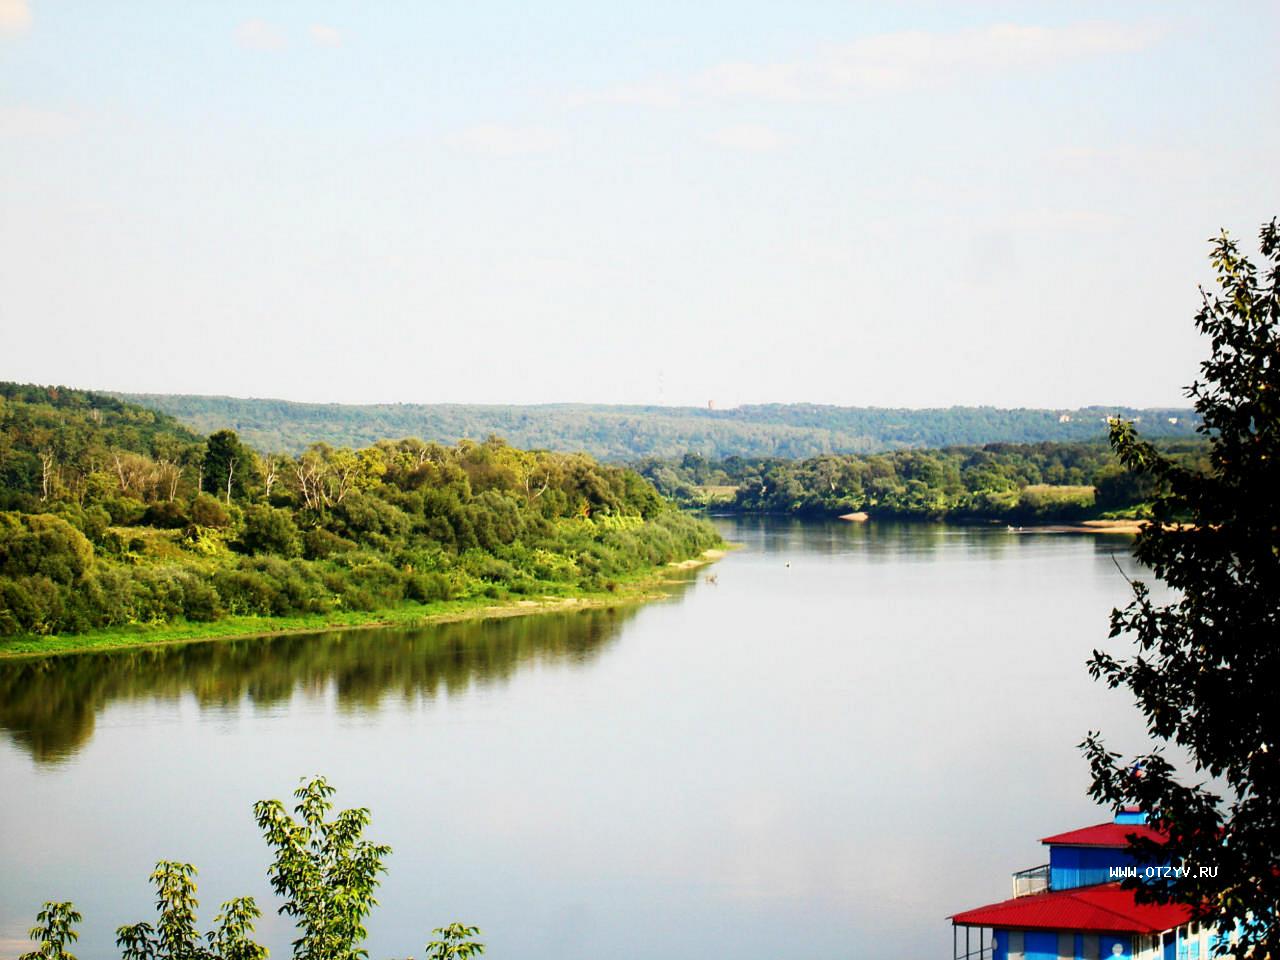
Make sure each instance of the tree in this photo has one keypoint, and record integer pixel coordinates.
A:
(1207, 661)
(228, 464)
(54, 930)
(269, 530)
(323, 869)
(456, 942)
(325, 872)
(174, 935)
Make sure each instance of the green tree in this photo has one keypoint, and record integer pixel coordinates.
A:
(228, 465)
(269, 530)
(43, 545)
(54, 930)
(174, 936)
(324, 871)
(456, 942)
(1207, 661)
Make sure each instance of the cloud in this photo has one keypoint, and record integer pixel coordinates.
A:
(260, 35)
(890, 63)
(15, 16)
(324, 36)
(745, 137)
(498, 140)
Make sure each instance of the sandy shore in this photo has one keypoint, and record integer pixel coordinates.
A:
(1130, 527)
(707, 556)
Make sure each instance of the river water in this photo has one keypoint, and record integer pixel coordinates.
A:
(852, 732)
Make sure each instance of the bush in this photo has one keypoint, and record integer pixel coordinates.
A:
(167, 514)
(428, 587)
(40, 543)
(125, 511)
(320, 543)
(208, 511)
(269, 530)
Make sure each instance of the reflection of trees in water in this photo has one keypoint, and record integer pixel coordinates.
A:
(904, 539)
(49, 706)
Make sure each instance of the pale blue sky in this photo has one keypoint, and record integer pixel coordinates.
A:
(910, 203)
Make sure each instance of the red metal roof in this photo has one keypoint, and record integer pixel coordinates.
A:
(1103, 908)
(1105, 835)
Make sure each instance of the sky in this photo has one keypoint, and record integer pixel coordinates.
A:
(906, 203)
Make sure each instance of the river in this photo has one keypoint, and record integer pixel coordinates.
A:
(849, 733)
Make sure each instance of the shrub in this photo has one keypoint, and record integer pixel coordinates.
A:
(320, 543)
(208, 511)
(167, 514)
(40, 543)
(269, 530)
(428, 587)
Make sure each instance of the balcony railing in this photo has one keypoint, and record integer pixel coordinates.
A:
(1032, 880)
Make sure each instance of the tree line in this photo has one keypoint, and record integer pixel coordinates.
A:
(112, 514)
(1016, 483)
(621, 433)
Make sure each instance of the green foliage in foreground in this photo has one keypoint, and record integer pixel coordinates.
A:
(106, 526)
(1016, 483)
(324, 872)
(1204, 666)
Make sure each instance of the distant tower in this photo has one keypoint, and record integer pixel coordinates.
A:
(711, 404)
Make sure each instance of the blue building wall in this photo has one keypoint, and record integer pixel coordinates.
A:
(1040, 945)
(1061, 945)
(1082, 866)
(1118, 948)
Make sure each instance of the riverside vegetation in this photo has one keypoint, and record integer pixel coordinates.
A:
(1014, 483)
(115, 518)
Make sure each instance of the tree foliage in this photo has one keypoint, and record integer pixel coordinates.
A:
(625, 433)
(1016, 483)
(54, 931)
(1207, 661)
(324, 870)
(454, 942)
(120, 526)
(174, 935)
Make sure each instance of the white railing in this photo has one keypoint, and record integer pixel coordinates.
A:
(1032, 880)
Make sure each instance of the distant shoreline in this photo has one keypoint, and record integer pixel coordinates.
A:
(1130, 527)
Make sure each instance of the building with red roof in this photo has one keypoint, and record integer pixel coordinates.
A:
(1073, 907)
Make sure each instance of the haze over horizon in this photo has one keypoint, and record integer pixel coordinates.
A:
(918, 204)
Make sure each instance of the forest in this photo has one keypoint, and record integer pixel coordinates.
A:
(1014, 483)
(114, 515)
(625, 433)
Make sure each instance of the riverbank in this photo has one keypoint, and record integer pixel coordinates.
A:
(639, 589)
(1130, 527)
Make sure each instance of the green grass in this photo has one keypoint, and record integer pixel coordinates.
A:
(630, 589)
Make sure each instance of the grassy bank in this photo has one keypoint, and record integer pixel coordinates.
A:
(634, 589)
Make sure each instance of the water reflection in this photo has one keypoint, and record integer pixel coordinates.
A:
(855, 730)
(49, 706)
(876, 541)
